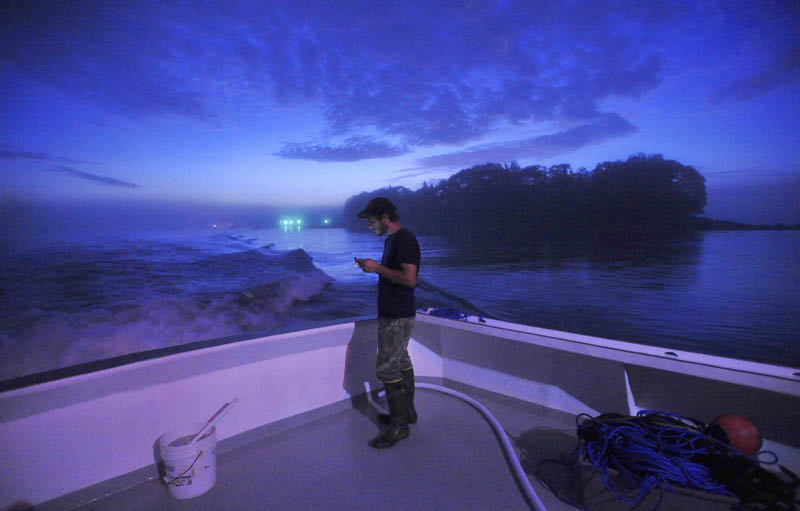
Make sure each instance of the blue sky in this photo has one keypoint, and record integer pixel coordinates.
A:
(307, 103)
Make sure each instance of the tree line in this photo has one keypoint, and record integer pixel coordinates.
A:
(643, 197)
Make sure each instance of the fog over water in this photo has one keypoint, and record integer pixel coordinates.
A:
(757, 203)
(82, 219)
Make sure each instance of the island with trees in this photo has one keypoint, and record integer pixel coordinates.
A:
(644, 197)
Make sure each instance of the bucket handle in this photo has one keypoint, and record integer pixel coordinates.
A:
(169, 482)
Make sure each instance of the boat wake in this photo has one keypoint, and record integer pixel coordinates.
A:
(102, 305)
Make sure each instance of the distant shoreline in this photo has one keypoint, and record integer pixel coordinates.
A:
(710, 224)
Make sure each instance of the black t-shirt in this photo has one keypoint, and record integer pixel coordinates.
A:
(395, 300)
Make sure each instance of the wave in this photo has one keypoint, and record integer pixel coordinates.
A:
(264, 258)
(164, 305)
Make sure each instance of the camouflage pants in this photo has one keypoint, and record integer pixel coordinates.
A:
(393, 359)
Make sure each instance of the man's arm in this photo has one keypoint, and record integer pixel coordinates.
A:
(407, 276)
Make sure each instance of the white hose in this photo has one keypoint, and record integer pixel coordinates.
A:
(521, 475)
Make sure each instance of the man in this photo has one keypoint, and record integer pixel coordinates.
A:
(397, 276)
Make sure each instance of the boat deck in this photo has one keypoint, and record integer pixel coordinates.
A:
(452, 460)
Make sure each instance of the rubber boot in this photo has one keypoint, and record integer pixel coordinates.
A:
(398, 429)
(408, 386)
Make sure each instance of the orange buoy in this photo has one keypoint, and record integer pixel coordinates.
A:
(742, 434)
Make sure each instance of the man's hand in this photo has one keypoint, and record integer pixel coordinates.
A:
(368, 265)
(405, 277)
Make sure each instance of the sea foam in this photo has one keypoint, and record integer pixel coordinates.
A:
(94, 304)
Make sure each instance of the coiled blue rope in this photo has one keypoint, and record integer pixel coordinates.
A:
(656, 452)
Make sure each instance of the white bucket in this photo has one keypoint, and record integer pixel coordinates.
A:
(191, 470)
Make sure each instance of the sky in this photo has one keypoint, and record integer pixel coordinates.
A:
(306, 103)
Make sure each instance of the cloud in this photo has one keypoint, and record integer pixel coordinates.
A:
(24, 155)
(479, 69)
(399, 174)
(381, 68)
(131, 62)
(60, 169)
(31, 155)
(782, 72)
(353, 149)
(603, 128)
(753, 175)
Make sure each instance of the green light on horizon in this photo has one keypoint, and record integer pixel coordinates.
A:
(287, 222)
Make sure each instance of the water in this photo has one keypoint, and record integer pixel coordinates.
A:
(73, 300)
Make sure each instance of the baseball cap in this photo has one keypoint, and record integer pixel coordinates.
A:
(377, 207)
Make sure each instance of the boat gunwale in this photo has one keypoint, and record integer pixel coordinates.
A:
(63, 373)
(761, 369)
(792, 374)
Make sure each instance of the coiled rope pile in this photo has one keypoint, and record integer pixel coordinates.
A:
(658, 450)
